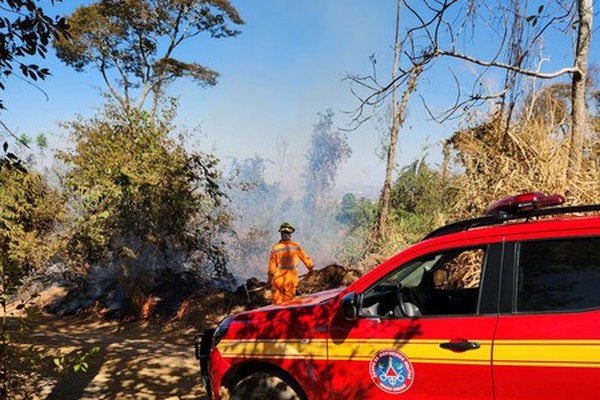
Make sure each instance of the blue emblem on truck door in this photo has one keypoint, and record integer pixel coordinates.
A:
(391, 371)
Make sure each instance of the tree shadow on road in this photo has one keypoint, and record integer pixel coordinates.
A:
(135, 361)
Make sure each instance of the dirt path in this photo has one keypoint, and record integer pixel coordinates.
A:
(135, 361)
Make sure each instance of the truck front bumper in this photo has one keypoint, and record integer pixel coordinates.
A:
(203, 346)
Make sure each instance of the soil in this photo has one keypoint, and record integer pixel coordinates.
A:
(136, 360)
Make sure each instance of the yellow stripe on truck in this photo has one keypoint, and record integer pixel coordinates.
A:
(315, 349)
(419, 351)
(548, 353)
(552, 353)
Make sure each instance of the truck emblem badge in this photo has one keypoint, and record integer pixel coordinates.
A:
(391, 371)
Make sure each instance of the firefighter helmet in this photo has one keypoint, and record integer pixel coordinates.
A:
(286, 227)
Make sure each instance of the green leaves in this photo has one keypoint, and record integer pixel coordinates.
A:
(134, 181)
(28, 214)
(25, 31)
(78, 361)
(533, 19)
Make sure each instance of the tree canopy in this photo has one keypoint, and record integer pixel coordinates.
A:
(328, 149)
(136, 187)
(133, 43)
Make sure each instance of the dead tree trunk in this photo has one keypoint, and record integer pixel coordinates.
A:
(386, 192)
(578, 108)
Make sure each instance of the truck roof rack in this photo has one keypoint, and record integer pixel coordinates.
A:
(501, 217)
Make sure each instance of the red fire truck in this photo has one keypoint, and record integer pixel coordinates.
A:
(505, 306)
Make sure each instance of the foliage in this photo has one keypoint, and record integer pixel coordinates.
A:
(328, 148)
(29, 211)
(358, 217)
(78, 361)
(28, 215)
(421, 199)
(10, 161)
(133, 43)
(419, 189)
(25, 31)
(355, 213)
(135, 187)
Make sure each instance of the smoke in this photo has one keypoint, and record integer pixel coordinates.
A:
(139, 272)
(260, 207)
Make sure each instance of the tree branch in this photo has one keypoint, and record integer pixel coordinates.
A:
(14, 135)
(112, 90)
(522, 71)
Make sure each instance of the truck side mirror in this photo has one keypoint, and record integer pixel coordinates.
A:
(350, 306)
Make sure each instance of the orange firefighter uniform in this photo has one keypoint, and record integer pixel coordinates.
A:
(283, 271)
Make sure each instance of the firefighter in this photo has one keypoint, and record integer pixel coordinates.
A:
(283, 263)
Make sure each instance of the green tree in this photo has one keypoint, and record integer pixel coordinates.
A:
(328, 148)
(137, 189)
(420, 189)
(355, 213)
(29, 212)
(134, 43)
(422, 199)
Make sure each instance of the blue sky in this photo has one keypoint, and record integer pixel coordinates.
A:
(286, 66)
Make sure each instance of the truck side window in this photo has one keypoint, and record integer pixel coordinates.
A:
(460, 272)
(559, 275)
(439, 284)
(455, 283)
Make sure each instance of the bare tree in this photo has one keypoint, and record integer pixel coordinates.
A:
(398, 117)
(441, 26)
(382, 218)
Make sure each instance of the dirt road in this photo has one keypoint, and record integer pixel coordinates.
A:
(135, 361)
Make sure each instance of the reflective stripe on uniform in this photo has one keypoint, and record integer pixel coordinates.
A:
(287, 248)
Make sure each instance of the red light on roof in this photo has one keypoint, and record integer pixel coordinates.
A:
(524, 202)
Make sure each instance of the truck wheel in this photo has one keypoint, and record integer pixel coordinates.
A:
(262, 386)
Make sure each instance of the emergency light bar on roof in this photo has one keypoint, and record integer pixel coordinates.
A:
(527, 205)
(525, 202)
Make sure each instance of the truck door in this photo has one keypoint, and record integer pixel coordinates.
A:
(423, 331)
(548, 338)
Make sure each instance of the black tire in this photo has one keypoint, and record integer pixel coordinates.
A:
(263, 386)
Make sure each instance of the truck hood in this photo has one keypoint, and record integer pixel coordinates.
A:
(310, 299)
(298, 303)
(305, 316)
